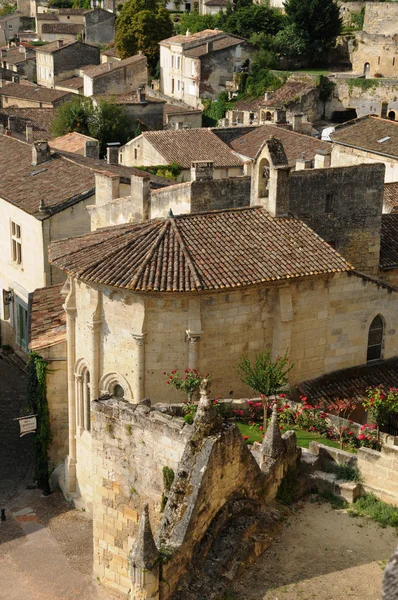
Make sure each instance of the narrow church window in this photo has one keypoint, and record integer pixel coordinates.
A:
(378, 60)
(375, 339)
(393, 61)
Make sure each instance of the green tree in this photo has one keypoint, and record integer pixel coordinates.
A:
(73, 116)
(7, 9)
(140, 26)
(265, 376)
(60, 3)
(313, 26)
(196, 22)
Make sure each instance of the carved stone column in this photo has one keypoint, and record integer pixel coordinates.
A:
(79, 404)
(71, 313)
(193, 352)
(139, 375)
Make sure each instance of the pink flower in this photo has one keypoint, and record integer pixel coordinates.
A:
(282, 395)
(260, 428)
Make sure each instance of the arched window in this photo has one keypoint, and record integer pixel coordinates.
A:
(118, 391)
(268, 116)
(116, 385)
(263, 181)
(83, 408)
(375, 339)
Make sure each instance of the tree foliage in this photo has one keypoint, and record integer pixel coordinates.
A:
(107, 122)
(313, 26)
(140, 26)
(60, 3)
(7, 9)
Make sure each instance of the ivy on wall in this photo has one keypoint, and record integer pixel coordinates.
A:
(37, 403)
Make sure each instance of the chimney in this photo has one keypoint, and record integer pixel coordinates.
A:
(209, 47)
(3, 53)
(29, 133)
(60, 43)
(11, 123)
(107, 187)
(40, 153)
(15, 78)
(188, 33)
(278, 196)
(323, 159)
(112, 154)
(22, 49)
(1, 129)
(303, 163)
(109, 65)
(141, 197)
(202, 170)
(279, 115)
(267, 95)
(296, 122)
(91, 149)
(142, 95)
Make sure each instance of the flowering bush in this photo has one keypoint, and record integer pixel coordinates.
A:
(368, 437)
(380, 405)
(190, 410)
(189, 383)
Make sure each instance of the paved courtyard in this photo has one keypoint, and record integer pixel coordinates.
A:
(45, 544)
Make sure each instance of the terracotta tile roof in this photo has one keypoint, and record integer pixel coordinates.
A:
(71, 142)
(73, 11)
(14, 55)
(128, 98)
(391, 195)
(204, 251)
(46, 17)
(368, 133)
(186, 145)
(32, 92)
(194, 37)
(389, 241)
(180, 109)
(111, 52)
(295, 144)
(40, 118)
(220, 44)
(47, 318)
(290, 92)
(62, 28)
(350, 383)
(93, 71)
(74, 83)
(54, 46)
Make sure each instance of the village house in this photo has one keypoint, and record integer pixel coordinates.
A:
(116, 77)
(201, 65)
(9, 27)
(27, 124)
(110, 55)
(73, 84)
(367, 139)
(94, 26)
(212, 7)
(19, 59)
(178, 116)
(31, 96)
(60, 60)
(148, 111)
(76, 143)
(181, 147)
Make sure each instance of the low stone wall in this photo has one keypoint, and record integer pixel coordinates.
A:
(379, 471)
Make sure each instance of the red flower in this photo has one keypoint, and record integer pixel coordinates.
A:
(245, 437)
(286, 406)
(362, 436)
(282, 395)
(164, 372)
(261, 428)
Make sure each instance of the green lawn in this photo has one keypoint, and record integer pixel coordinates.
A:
(303, 437)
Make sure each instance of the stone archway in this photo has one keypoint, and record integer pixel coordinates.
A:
(391, 115)
(366, 69)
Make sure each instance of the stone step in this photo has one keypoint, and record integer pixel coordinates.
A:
(350, 491)
(308, 462)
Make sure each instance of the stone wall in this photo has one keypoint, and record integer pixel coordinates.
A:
(343, 156)
(344, 207)
(379, 472)
(379, 51)
(216, 68)
(118, 80)
(381, 17)
(99, 27)
(72, 57)
(379, 99)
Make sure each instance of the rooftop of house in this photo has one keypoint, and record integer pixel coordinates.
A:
(71, 142)
(74, 11)
(203, 251)
(227, 41)
(295, 144)
(389, 241)
(185, 146)
(32, 92)
(391, 195)
(93, 71)
(47, 323)
(369, 133)
(350, 384)
(73, 83)
(217, 3)
(63, 28)
(129, 98)
(13, 15)
(111, 52)
(40, 118)
(59, 45)
(16, 55)
(59, 182)
(46, 16)
(195, 45)
(290, 92)
(180, 109)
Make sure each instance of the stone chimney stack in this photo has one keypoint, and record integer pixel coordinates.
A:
(112, 154)
(91, 149)
(29, 133)
(1, 129)
(141, 197)
(279, 115)
(60, 43)
(209, 47)
(144, 563)
(303, 163)
(142, 95)
(323, 159)
(296, 122)
(41, 153)
(278, 197)
(202, 170)
(11, 123)
(107, 187)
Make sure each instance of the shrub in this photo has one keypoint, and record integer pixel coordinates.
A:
(345, 472)
(370, 506)
(188, 383)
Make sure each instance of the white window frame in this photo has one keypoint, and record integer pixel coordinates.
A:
(16, 242)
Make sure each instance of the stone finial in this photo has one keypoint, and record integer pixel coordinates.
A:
(144, 552)
(390, 578)
(272, 445)
(207, 420)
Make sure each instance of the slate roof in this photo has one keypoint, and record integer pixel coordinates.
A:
(350, 383)
(32, 92)
(93, 71)
(389, 241)
(186, 145)
(62, 28)
(295, 144)
(290, 92)
(391, 195)
(40, 118)
(367, 133)
(71, 142)
(47, 318)
(204, 251)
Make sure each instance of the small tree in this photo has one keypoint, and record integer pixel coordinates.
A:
(343, 410)
(73, 116)
(264, 376)
(188, 383)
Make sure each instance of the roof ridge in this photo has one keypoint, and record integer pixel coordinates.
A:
(149, 255)
(198, 282)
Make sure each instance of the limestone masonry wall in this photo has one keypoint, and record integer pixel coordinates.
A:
(379, 471)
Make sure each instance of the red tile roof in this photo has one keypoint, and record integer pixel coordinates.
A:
(74, 83)
(62, 28)
(40, 118)
(47, 318)
(186, 145)
(32, 92)
(71, 142)
(389, 241)
(204, 251)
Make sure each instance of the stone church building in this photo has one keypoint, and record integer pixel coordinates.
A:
(200, 290)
